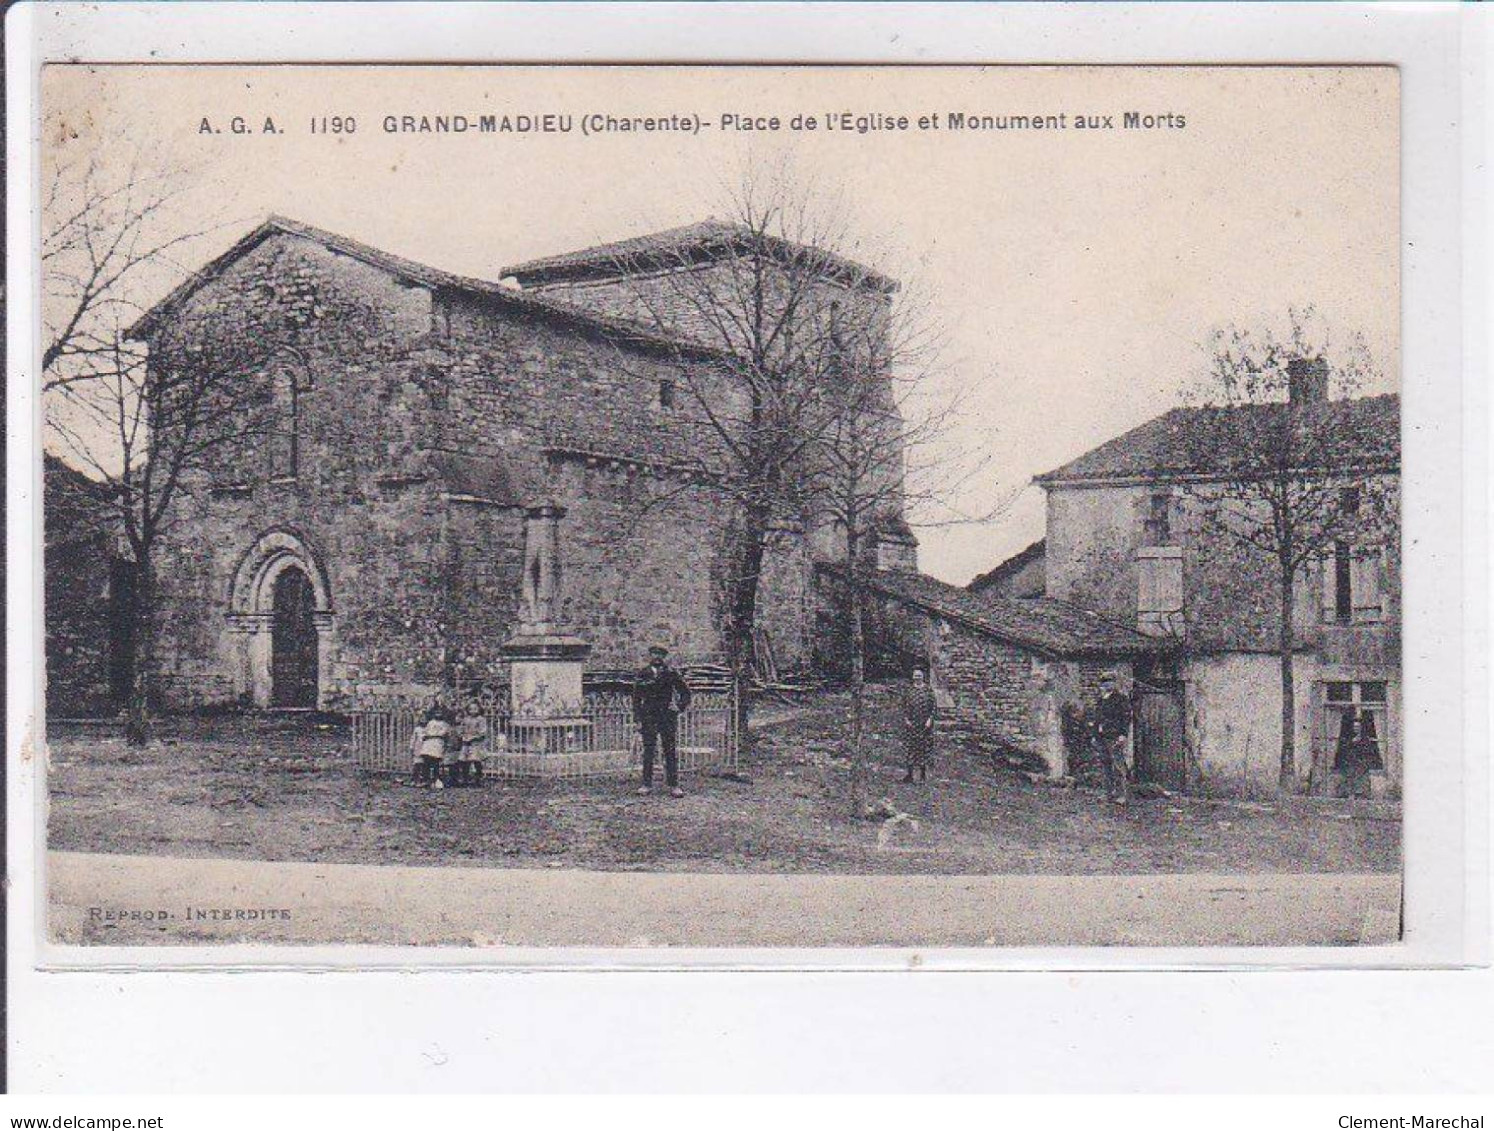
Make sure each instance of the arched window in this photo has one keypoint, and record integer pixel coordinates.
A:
(285, 436)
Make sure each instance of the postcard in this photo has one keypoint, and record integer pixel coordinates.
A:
(495, 507)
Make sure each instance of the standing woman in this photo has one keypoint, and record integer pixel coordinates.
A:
(1362, 757)
(919, 707)
(1112, 726)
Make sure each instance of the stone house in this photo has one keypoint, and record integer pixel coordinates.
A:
(1127, 538)
(375, 541)
(1005, 669)
(89, 593)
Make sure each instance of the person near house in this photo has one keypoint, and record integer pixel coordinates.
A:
(474, 736)
(429, 742)
(1078, 742)
(1111, 728)
(1358, 753)
(660, 694)
(919, 709)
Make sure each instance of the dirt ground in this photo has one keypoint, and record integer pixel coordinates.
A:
(288, 791)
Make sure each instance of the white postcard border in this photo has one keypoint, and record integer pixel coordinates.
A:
(1447, 803)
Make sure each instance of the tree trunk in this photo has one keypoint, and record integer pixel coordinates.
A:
(858, 697)
(138, 727)
(746, 570)
(1287, 780)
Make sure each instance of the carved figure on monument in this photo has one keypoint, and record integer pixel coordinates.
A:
(545, 678)
(542, 571)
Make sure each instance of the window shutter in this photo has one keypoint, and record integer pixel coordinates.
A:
(1382, 561)
(1146, 580)
(1159, 589)
(1159, 578)
(1328, 590)
(1170, 586)
(1366, 571)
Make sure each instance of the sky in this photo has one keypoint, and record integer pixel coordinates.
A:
(1075, 270)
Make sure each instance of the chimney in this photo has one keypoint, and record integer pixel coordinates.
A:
(1307, 380)
(894, 546)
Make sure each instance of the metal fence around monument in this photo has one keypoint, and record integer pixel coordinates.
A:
(602, 739)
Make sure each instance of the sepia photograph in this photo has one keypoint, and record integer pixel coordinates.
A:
(494, 507)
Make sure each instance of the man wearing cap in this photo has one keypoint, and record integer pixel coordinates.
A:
(1112, 725)
(659, 695)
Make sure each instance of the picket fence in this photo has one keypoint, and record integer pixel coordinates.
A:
(600, 740)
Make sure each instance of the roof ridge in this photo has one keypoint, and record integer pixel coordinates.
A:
(1151, 448)
(423, 273)
(1038, 628)
(1011, 561)
(699, 233)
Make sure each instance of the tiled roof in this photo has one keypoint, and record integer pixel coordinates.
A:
(1359, 432)
(701, 241)
(1008, 567)
(1043, 624)
(614, 329)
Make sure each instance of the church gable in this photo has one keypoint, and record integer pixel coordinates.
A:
(294, 290)
(373, 272)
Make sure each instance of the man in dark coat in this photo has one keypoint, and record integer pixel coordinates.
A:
(660, 694)
(1112, 725)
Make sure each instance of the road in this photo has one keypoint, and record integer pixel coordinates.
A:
(492, 907)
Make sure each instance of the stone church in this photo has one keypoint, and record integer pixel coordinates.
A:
(375, 541)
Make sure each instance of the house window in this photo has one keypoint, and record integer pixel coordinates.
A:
(1352, 592)
(1348, 501)
(1354, 723)
(666, 394)
(285, 436)
(1158, 524)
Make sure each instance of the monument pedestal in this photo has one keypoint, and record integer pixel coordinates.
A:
(545, 663)
(545, 673)
(549, 715)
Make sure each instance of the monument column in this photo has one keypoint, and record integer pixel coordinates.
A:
(545, 662)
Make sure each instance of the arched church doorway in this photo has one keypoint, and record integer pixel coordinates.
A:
(282, 635)
(294, 660)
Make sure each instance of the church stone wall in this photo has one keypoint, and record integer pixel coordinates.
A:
(362, 500)
(579, 421)
(423, 572)
(483, 568)
(384, 562)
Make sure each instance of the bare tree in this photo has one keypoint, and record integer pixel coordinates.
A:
(108, 239)
(761, 303)
(110, 243)
(884, 454)
(142, 428)
(1288, 473)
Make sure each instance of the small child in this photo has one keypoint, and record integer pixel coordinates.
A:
(452, 766)
(429, 744)
(474, 745)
